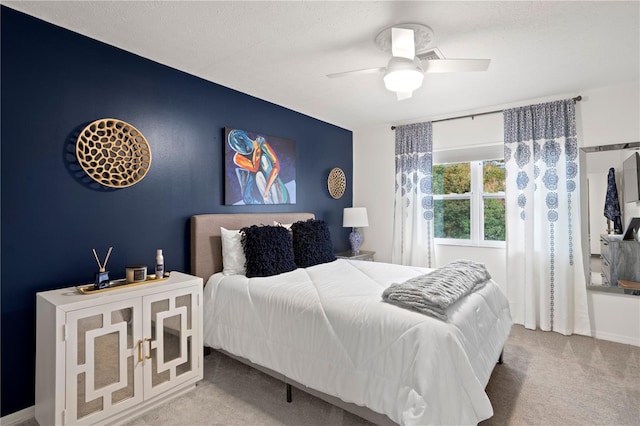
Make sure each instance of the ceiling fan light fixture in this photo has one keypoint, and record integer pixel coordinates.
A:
(403, 75)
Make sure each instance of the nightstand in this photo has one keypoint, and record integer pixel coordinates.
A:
(363, 255)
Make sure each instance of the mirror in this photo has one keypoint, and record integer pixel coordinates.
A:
(595, 162)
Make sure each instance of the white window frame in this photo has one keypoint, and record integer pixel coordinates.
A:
(476, 197)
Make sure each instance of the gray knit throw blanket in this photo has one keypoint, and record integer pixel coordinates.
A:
(434, 292)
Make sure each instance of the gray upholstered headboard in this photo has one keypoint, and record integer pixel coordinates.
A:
(206, 246)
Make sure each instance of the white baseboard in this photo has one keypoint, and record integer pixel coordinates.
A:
(19, 416)
(616, 338)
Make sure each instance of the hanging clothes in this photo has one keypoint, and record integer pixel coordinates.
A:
(611, 203)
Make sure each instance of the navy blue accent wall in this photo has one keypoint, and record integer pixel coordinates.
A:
(54, 82)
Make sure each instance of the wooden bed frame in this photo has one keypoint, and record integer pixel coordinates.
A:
(206, 259)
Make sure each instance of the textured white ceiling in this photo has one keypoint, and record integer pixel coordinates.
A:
(282, 51)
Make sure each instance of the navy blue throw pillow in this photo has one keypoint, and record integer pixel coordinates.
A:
(268, 250)
(311, 243)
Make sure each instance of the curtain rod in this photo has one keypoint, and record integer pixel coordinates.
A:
(576, 99)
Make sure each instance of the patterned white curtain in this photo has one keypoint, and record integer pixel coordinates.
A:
(413, 207)
(546, 285)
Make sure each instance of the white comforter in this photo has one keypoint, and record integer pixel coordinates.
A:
(326, 327)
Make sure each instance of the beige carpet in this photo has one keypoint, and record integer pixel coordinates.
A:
(551, 379)
(546, 379)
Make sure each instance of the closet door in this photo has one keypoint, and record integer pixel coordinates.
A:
(103, 376)
(172, 345)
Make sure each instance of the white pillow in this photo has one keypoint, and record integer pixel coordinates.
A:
(233, 259)
(285, 225)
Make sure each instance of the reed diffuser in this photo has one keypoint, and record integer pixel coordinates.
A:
(102, 276)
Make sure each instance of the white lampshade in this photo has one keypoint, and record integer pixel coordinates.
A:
(403, 75)
(355, 217)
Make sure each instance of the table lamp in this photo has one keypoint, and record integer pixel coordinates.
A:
(355, 217)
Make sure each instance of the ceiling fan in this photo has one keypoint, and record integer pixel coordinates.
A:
(411, 57)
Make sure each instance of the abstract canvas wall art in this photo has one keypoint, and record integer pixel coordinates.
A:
(259, 169)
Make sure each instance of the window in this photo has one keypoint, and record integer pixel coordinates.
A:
(469, 202)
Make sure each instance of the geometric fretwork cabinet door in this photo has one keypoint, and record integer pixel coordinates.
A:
(108, 357)
(168, 340)
(102, 377)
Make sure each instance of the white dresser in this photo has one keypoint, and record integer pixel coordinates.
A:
(107, 357)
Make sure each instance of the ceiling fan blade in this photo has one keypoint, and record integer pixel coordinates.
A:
(356, 72)
(403, 43)
(456, 65)
(403, 95)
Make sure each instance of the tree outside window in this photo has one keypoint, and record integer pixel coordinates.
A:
(469, 201)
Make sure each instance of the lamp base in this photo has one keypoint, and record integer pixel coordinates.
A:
(355, 239)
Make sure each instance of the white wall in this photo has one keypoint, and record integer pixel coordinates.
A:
(605, 116)
(374, 186)
(610, 115)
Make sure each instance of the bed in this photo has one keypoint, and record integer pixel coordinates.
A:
(324, 329)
